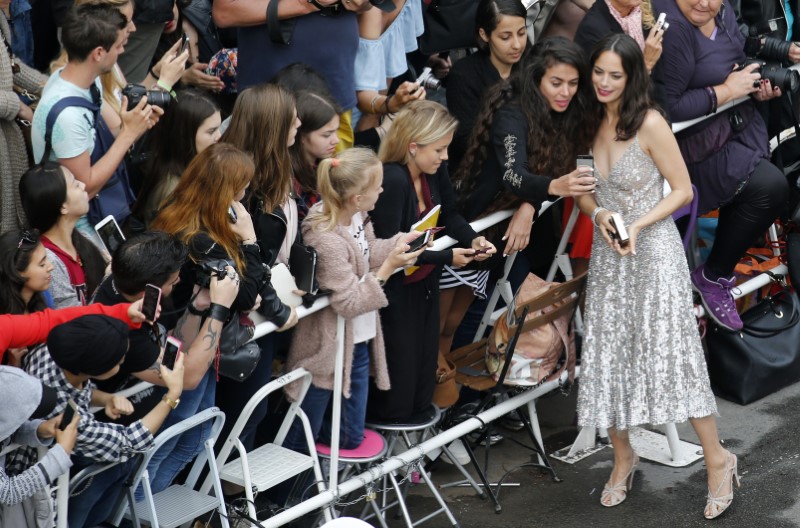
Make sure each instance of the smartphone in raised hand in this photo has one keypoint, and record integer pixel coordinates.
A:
(152, 298)
(109, 232)
(171, 352)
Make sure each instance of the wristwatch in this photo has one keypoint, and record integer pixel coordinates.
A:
(172, 403)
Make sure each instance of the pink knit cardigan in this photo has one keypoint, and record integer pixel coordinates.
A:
(340, 269)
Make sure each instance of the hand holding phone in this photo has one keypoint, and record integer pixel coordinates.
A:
(152, 298)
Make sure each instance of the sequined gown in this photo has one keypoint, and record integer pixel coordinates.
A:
(642, 361)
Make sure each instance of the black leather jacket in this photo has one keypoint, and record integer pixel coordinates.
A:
(270, 232)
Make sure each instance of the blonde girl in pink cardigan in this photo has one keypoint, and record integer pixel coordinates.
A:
(353, 265)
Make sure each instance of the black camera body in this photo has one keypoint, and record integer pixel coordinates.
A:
(776, 51)
(211, 268)
(135, 92)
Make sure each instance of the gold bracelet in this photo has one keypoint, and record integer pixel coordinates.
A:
(372, 104)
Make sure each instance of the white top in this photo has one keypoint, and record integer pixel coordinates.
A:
(365, 326)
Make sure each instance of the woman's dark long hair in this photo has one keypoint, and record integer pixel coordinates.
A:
(487, 17)
(172, 143)
(16, 250)
(43, 191)
(636, 99)
(554, 138)
(315, 111)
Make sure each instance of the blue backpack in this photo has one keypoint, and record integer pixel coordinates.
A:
(116, 196)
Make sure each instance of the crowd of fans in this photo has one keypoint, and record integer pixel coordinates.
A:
(220, 136)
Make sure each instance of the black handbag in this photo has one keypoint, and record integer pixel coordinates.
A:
(763, 357)
(238, 355)
(449, 24)
(303, 266)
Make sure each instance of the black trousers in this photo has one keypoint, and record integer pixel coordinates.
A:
(411, 334)
(747, 217)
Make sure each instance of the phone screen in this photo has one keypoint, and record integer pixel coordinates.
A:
(171, 352)
(69, 414)
(110, 234)
(152, 297)
(585, 161)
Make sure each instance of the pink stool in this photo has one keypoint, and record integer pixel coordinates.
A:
(373, 448)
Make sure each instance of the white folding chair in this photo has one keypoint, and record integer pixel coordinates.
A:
(270, 464)
(180, 503)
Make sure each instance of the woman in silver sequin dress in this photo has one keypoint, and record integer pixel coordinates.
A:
(642, 358)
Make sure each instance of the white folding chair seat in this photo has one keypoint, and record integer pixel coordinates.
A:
(179, 503)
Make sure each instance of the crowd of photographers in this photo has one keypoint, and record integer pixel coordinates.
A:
(205, 155)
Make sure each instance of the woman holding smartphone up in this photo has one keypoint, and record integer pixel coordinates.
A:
(642, 358)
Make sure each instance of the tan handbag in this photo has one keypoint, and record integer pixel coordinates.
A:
(445, 394)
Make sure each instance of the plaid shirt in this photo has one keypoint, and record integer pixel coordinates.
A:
(99, 441)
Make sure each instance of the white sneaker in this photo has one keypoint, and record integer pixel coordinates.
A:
(456, 454)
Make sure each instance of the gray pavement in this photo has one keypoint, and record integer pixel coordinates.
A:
(765, 435)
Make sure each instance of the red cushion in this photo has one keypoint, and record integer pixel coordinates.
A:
(371, 446)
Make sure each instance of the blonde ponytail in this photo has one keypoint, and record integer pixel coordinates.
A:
(339, 178)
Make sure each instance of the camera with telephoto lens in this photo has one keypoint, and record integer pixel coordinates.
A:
(211, 268)
(135, 92)
(428, 81)
(775, 51)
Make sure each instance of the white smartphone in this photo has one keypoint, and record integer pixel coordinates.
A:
(661, 19)
(109, 232)
(152, 298)
(171, 352)
(619, 226)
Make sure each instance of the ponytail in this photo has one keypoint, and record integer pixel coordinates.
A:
(339, 178)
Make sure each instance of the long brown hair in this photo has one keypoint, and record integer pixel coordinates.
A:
(554, 139)
(204, 193)
(260, 124)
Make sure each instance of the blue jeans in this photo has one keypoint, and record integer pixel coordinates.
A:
(318, 407)
(95, 502)
(173, 456)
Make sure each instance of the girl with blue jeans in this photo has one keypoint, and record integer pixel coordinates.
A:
(353, 265)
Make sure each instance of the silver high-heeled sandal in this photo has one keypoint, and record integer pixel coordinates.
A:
(716, 504)
(615, 494)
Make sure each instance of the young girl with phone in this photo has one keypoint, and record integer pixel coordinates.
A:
(354, 266)
(54, 200)
(642, 289)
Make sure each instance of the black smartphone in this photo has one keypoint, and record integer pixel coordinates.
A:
(171, 352)
(585, 160)
(69, 414)
(419, 242)
(109, 232)
(184, 43)
(232, 215)
(152, 298)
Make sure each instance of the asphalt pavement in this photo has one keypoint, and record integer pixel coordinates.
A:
(765, 435)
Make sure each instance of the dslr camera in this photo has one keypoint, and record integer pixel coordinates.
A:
(135, 92)
(211, 268)
(775, 51)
